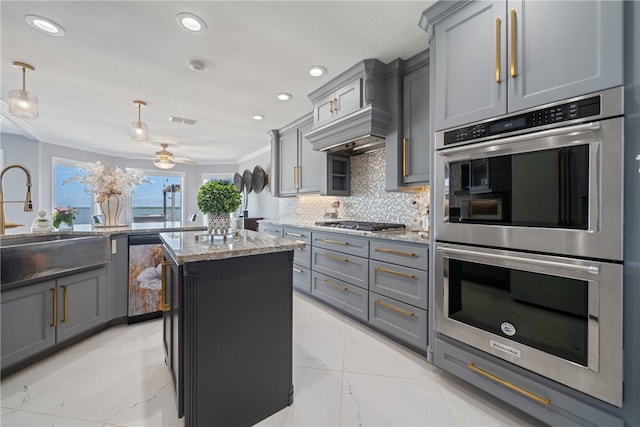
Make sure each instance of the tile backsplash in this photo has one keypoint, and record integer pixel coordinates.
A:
(368, 201)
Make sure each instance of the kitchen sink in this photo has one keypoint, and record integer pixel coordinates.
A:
(39, 256)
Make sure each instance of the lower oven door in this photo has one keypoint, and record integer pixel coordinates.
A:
(558, 317)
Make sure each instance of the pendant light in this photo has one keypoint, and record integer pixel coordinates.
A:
(23, 104)
(139, 129)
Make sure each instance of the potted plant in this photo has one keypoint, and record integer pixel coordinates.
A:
(217, 199)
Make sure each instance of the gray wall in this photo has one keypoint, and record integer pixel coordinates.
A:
(20, 150)
(263, 204)
(631, 408)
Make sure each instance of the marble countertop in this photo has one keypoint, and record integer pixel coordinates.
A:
(409, 236)
(92, 230)
(191, 246)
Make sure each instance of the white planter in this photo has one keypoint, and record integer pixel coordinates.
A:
(220, 222)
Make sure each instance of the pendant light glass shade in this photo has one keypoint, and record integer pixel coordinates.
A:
(23, 104)
(139, 129)
(164, 164)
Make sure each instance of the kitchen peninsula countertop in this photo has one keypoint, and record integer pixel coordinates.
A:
(185, 247)
(92, 230)
(409, 236)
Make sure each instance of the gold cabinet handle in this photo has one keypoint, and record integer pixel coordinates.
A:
(394, 251)
(64, 303)
(337, 242)
(163, 293)
(54, 317)
(397, 273)
(513, 43)
(295, 177)
(335, 105)
(336, 258)
(335, 285)
(297, 270)
(294, 234)
(509, 385)
(404, 157)
(498, 24)
(394, 308)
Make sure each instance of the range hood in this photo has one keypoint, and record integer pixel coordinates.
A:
(359, 132)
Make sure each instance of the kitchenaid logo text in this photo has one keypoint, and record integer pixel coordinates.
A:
(505, 348)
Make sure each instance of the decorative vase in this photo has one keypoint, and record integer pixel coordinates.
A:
(65, 226)
(111, 205)
(219, 222)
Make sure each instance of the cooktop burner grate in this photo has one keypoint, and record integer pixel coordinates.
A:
(362, 225)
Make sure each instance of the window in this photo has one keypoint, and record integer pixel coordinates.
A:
(158, 200)
(72, 193)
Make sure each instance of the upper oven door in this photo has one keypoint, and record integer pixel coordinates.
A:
(553, 191)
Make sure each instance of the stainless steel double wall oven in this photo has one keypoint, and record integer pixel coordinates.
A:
(528, 214)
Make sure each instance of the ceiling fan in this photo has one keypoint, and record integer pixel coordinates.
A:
(166, 160)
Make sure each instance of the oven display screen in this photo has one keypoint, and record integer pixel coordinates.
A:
(508, 125)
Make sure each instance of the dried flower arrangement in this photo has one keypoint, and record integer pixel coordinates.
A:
(421, 200)
(103, 180)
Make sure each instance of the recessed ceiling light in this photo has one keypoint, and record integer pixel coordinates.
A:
(45, 25)
(191, 23)
(317, 71)
(284, 96)
(258, 117)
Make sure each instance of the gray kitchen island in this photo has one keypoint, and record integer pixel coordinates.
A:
(227, 325)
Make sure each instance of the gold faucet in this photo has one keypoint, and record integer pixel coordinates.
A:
(28, 206)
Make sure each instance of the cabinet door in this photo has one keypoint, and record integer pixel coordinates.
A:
(311, 161)
(465, 60)
(563, 49)
(347, 99)
(288, 161)
(323, 110)
(28, 325)
(416, 149)
(174, 277)
(81, 302)
(166, 311)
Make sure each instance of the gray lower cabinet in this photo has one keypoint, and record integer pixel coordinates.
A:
(340, 242)
(36, 317)
(399, 282)
(401, 320)
(344, 296)
(349, 268)
(302, 278)
(301, 258)
(271, 229)
(518, 387)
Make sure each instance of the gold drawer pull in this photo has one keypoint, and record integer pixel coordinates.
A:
(297, 270)
(163, 294)
(397, 273)
(54, 317)
(336, 258)
(509, 385)
(513, 43)
(394, 308)
(404, 157)
(498, 22)
(335, 285)
(393, 251)
(293, 234)
(337, 242)
(64, 303)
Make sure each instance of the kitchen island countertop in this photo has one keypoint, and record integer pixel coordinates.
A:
(191, 246)
(92, 230)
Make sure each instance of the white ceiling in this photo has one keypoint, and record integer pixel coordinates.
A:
(117, 51)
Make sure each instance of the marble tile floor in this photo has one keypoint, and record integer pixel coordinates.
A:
(344, 375)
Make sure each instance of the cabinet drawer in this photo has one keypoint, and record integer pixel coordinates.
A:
(404, 284)
(352, 269)
(273, 230)
(302, 256)
(302, 278)
(563, 410)
(414, 256)
(340, 242)
(401, 320)
(297, 234)
(344, 296)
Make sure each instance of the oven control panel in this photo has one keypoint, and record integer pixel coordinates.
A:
(572, 110)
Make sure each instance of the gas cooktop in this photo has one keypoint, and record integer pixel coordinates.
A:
(362, 225)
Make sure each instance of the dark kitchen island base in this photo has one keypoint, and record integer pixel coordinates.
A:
(235, 317)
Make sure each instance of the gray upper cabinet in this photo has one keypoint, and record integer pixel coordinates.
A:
(416, 152)
(299, 165)
(343, 101)
(524, 53)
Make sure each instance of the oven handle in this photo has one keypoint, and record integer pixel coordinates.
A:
(592, 126)
(593, 269)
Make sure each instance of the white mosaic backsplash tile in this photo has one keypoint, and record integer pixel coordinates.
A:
(368, 201)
